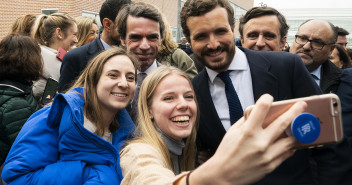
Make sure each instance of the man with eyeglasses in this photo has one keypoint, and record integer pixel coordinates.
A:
(342, 36)
(314, 43)
(315, 40)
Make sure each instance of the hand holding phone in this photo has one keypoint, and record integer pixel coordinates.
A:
(326, 108)
(49, 91)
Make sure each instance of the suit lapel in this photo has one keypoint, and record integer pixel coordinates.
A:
(209, 119)
(94, 48)
(263, 81)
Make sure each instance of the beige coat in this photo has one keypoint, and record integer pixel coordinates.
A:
(142, 164)
(51, 69)
(181, 60)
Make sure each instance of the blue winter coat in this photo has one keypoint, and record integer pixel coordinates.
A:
(53, 147)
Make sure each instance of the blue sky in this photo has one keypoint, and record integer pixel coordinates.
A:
(283, 4)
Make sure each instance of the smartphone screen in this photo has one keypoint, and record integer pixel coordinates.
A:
(49, 91)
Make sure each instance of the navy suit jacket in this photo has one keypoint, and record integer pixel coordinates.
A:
(345, 94)
(283, 76)
(330, 77)
(75, 61)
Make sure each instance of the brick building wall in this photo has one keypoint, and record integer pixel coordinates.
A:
(11, 9)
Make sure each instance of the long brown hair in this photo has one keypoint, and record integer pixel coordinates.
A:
(20, 58)
(89, 81)
(147, 129)
(23, 25)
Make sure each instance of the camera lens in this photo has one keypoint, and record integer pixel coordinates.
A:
(334, 103)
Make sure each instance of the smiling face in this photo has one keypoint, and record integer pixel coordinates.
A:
(212, 39)
(143, 39)
(92, 34)
(263, 34)
(173, 107)
(70, 38)
(116, 85)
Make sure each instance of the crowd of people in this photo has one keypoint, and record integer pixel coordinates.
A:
(132, 106)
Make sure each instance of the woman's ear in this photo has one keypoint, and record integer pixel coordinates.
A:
(151, 114)
(59, 34)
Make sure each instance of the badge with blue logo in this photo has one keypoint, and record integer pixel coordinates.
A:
(306, 128)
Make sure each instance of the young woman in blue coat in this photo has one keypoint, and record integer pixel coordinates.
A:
(76, 139)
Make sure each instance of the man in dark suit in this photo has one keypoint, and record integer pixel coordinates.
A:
(345, 94)
(315, 40)
(142, 29)
(76, 60)
(208, 26)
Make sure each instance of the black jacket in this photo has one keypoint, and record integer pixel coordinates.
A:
(330, 77)
(75, 61)
(284, 76)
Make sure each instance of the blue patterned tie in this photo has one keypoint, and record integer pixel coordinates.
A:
(235, 107)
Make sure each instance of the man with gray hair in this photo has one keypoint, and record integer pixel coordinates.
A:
(142, 28)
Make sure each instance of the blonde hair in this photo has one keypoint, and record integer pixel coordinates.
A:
(89, 81)
(84, 24)
(23, 25)
(167, 44)
(45, 26)
(147, 129)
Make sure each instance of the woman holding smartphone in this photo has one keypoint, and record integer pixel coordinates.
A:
(57, 31)
(76, 139)
(164, 150)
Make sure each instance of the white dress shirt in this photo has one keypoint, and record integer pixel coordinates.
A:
(105, 45)
(150, 69)
(316, 75)
(242, 82)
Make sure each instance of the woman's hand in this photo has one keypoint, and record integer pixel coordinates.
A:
(248, 151)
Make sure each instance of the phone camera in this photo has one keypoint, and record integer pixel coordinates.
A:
(334, 103)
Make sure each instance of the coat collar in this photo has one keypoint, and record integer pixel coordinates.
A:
(330, 77)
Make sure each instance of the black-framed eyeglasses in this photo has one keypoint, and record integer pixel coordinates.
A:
(315, 44)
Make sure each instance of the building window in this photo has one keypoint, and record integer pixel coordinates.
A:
(94, 15)
(49, 11)
(174, 33)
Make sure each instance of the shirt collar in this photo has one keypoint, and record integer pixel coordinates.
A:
(105, 45)
(317, 73)
(238, 63)
(150, 69)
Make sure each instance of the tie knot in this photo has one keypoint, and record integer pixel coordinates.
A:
(225, 76)
(140, 78)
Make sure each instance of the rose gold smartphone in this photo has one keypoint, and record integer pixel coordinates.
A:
(326, 108)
